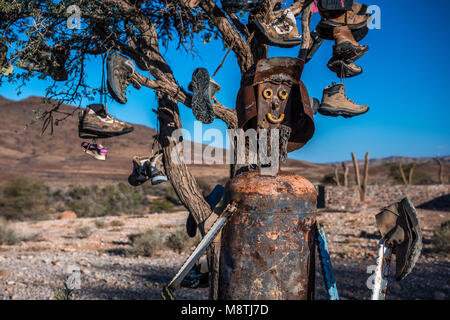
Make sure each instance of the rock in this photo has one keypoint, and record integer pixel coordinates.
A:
(56, 262)
(85, 271)
(438, 295)
(5, 273)
(67, 215)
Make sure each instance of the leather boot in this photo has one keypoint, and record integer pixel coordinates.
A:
(346, 48)
(335, 103)
(400, 228)
(355, 19)
(342, 69)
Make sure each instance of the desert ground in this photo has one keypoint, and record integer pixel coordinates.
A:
(35, 267)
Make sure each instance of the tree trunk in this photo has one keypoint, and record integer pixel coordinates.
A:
(183, 181)
(402, 173)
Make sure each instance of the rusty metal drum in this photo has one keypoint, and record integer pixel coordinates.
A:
(268, 246)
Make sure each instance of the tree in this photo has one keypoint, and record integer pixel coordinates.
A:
(137, 28)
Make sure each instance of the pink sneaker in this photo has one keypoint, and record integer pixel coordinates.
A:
(95, 150)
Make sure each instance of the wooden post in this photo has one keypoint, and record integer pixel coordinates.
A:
(411, 173)
(441, 170)
(362, 187)
(344, 166)
(336, 176)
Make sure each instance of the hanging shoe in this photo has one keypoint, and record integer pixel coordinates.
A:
(282, 32)
(400, 227)
(95, 122)
(204, 88)
(95, 150)
(355, 18)
(6, 68)
(335, 103)
(139, 174)
(155, 175)
(234, 6)
(342, 69)
(346, 48)
(119, 72)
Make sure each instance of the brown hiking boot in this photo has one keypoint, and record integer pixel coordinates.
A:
(355, 19)
(400, 228)
(119, 76)
(342, 69)
(335, 103)
(346, 48)
(97, 123)
(282, 32)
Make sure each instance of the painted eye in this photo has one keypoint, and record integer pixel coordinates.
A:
(267, 93)
(283, 94)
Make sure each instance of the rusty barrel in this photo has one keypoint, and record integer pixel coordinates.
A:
(268, 246)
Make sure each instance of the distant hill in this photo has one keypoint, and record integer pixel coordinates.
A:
(58, 159)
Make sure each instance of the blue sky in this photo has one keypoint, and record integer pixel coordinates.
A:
(405, 83)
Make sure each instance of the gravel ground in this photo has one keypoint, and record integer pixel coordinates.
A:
(37, 266)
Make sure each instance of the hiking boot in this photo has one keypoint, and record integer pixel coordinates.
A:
(139, 173)
(355, 18)
(335, 103)
(282, 32)
(119, 70)
(95, 150)
(204, 88)
(346, 48)
(400, 227)
(5, 67)
(156, 176)
(233, 6)
(342, 69)
(145, 169)
(97, 123)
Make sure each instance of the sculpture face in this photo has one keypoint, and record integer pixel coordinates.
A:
(273, 96)
(274, 104)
